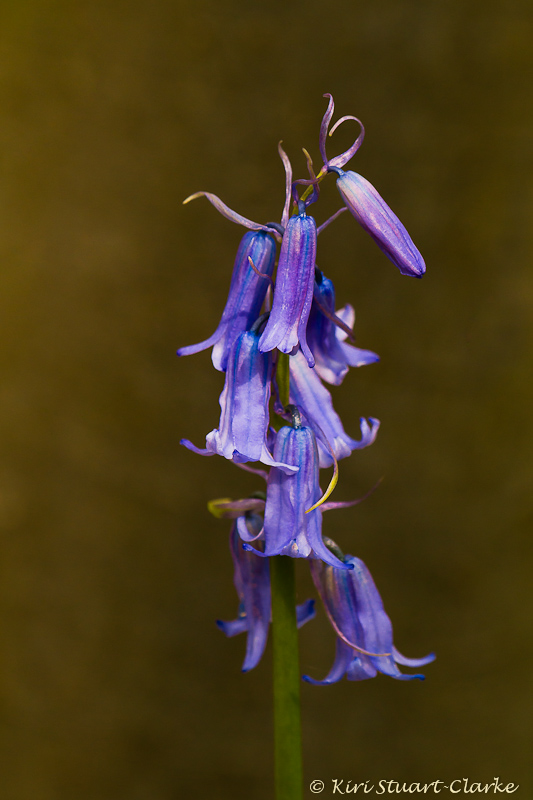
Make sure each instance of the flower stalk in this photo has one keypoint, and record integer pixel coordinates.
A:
(286, 682)
(286, 669)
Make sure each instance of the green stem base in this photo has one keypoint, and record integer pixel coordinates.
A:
(286, 675)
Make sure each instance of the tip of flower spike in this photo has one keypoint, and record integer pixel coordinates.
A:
(194, 196)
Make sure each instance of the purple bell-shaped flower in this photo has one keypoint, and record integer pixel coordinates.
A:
(333, 355)
(252, 582)
(364, 631)
(246, 295)
(377, 219)
(242, 431)
(291, 527)
(293, 295)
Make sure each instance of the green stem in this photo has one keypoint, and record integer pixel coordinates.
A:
(282, 377)
(287, 726)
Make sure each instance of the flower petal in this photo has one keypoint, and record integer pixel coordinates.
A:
(311, 396)
(305, 612)
(293, 295)
(412, 662)
(343, 658)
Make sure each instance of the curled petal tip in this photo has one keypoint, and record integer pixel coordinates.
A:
(214, 506)
(227, 212)
(192, 197)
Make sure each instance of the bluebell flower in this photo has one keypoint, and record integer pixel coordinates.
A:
(293, 294)
(245, 298)
(242, 431)
(364, 631)
(333, 355)
(252, 582)
(377, 219)
(366, 205)
(291, 528)
(313, 399)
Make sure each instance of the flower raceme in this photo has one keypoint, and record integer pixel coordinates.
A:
(293, 339)
(365, 203)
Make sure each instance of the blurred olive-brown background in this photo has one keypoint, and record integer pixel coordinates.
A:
(115, 683)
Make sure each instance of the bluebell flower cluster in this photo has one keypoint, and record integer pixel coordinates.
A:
(287, 310)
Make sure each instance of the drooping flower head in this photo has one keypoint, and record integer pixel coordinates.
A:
(326, 336)
(377, 219)
(293, 294)
(291, 527)
(304, 324)
(246, 295)
(252, 582)
(368, 207)
(364, 631)
(242, 431)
